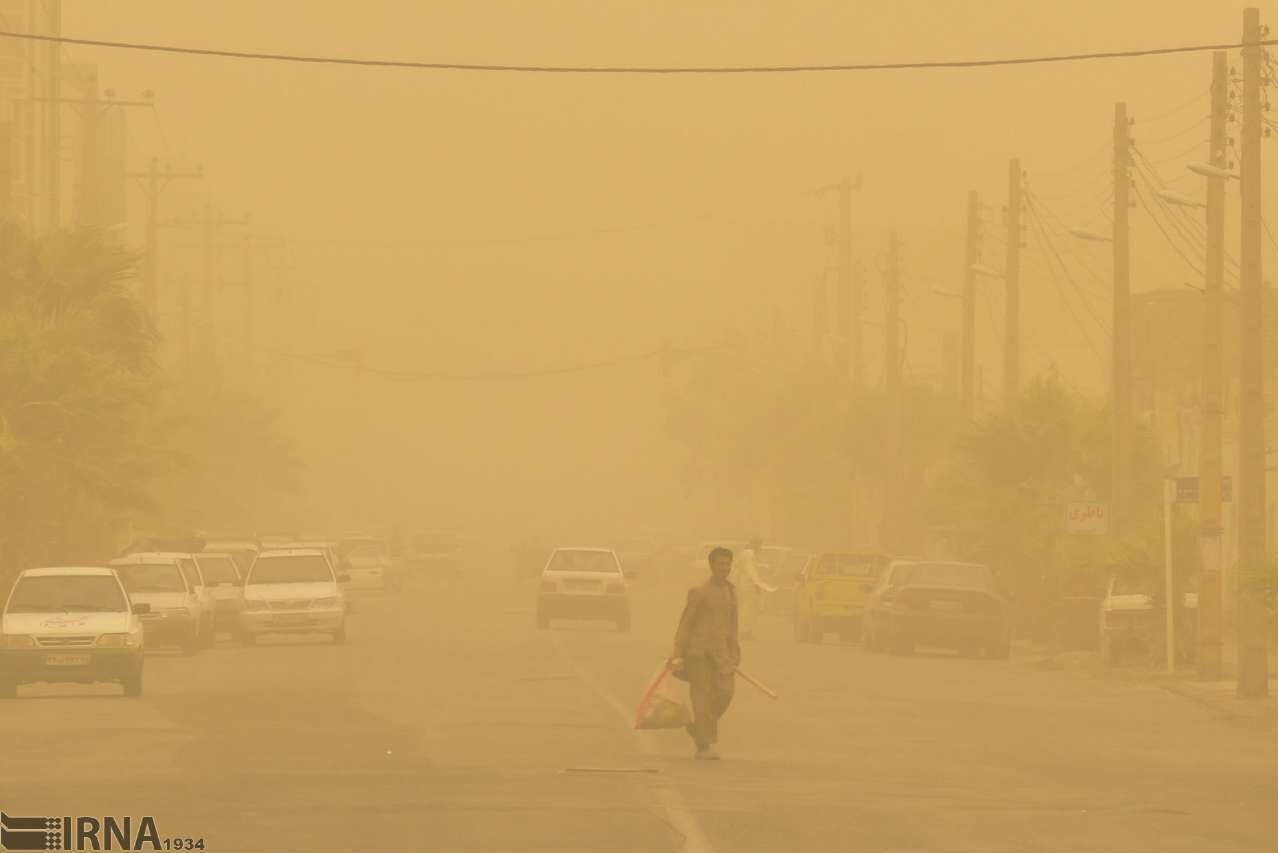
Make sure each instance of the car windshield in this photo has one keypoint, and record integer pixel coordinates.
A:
(948, 574)
(291, 568)
(849, 565)
(1132, 585)
(242, 555)
(217, 568)
(151, 577)
(67, 593)
(582, 561)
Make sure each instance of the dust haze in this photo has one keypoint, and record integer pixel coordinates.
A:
(367, 433)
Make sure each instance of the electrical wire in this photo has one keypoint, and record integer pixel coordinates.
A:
(631, 69)
(1036, 220)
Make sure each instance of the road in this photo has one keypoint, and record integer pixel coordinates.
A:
(448, 723)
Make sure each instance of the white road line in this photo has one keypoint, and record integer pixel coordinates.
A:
(667, 794)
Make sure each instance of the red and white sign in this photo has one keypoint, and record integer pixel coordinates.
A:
(1087, 518)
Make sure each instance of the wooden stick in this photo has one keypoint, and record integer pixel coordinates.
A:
(766, 690)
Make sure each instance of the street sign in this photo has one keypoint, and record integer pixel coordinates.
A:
(1084, 517)
(1187, 490)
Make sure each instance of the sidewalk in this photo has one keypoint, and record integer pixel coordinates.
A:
(1217, 695)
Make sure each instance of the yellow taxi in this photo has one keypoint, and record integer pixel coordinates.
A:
(831, 591)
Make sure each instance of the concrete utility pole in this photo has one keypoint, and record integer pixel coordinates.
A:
(1121, 363)
(1210, 466)
(1012, 302)
(152, 182)
(1253, 656)
(53, 125)
(892, 318)
(207, 224)
(891, 495)
(846, 328)
(858, 306)
(971, 257)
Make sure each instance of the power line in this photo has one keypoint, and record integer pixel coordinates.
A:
(630, 69)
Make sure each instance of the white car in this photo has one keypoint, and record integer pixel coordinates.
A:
(225, 586)
(583, 583)
(244, 551)
(367, 561)
(70, 624)
(180, 611)
(293, 591)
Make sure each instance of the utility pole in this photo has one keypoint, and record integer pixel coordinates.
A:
(846, 328)
(207, 224)
(890, 490)
(86, 208)
(1012, 302)
(152, 182)
(1210, 466)
(971, 257)
(53, 127)
(892, 318)
(1253, 657)
(1121, 362)
(858, 305)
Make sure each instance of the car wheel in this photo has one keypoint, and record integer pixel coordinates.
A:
(867, 638)
(132, 683)
(8, 688)
(210, 635)
(543, 621)
(339, 636)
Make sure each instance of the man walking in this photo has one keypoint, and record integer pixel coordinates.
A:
(707, 651)
(749, 586)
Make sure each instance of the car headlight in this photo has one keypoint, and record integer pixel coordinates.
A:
(118, 641)
(255, 604)
(19, 641)
(331, 602)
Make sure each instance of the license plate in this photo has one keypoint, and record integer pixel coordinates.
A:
(66, 660)
(947, 606)
(292, 619)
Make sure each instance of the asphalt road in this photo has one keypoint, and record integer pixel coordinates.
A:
(449, 723)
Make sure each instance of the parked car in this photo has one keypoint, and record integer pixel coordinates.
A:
(225, 585)
(830, 593)
(293, 591)
(583, 583)
(180, 613)
(367, 561)
(70, 624)
(939, 604)
(244, 551)
(1132, 620)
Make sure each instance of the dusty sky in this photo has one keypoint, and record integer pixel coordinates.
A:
(356, 167)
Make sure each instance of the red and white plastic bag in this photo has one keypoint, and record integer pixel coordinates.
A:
(664, 704)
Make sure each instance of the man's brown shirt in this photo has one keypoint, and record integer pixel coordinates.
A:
(708, 627)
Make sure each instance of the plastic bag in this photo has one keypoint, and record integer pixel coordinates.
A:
(664, 704)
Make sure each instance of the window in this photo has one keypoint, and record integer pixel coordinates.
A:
(67, 594)
(217, 568)
(849, 565)
(191, 573)
(601, 562)
(151, 577)
(950, 574)
(291, 568)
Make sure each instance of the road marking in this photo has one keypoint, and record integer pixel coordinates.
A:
(677, 812)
